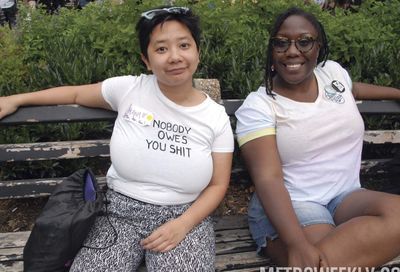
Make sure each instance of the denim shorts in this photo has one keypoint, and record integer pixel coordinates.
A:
(308, 213)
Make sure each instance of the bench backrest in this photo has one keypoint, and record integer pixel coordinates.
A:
(61, 150)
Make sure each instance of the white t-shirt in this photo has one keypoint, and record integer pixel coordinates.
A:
(161, 151)
(319, 143)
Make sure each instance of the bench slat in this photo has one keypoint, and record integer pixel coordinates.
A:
(13, 239)
(11, 254)
(100, 148)
(33, 187)
(12, 266)
(235, 247)
(226, 236)
(382, 136)
(44, 187)
(54, 150)
(230, 222)
(240, 260)
(379, 107)
(55, 114)
(15, 253)
(76, 113)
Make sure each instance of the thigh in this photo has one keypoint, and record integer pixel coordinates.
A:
(367, 203)
(308, 214)
(113, 243)
(195, 253)
(102, 254)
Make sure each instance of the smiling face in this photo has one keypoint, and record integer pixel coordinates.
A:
(292, 66)
(173, 56)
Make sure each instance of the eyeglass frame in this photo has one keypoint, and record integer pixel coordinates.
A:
(150, 14)
(311, 39)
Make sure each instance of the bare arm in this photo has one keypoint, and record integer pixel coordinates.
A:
(364, 91)
(85, 95)
(167, 236)
(210, 198)
(264, 165)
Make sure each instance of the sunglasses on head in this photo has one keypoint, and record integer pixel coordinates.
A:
(150, 14)
(303, 44)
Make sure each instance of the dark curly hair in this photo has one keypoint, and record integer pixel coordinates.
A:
(323, 52)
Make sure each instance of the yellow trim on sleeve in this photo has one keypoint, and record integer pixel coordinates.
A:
(256, 134)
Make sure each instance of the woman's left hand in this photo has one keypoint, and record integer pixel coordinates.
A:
(166, 237)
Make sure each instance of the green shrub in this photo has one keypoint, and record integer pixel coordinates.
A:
(99, 41)
(12, 68)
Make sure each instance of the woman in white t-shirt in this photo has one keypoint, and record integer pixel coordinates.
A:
(171, 152)
(301, 137)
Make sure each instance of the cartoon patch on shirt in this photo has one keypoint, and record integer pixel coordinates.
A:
(138, 115)
(333, 92)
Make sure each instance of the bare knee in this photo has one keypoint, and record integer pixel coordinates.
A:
(390, 213)
(387, 209)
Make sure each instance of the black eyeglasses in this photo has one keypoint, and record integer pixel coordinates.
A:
(303, 44)
(150, 14)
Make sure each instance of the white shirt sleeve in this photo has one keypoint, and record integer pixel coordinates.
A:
(224, 141)
(116, 88)
(255, 118)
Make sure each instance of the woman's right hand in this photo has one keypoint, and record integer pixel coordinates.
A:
(7, 106)
(306, 255)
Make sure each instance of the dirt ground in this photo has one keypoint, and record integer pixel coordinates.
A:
(20, 214)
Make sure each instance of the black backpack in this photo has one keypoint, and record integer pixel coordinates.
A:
(61, 228)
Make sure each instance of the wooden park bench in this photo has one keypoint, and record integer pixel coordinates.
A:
(235, 248)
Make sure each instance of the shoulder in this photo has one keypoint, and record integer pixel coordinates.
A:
(126, 84)
(333, 71)
(129, 79)
(259, 96)
(329, 66)
(216, 109)
(256, 100)
(116, 89)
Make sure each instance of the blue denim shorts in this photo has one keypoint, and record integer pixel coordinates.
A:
(308, 213)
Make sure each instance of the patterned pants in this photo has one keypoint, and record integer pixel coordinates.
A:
(133, 221)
